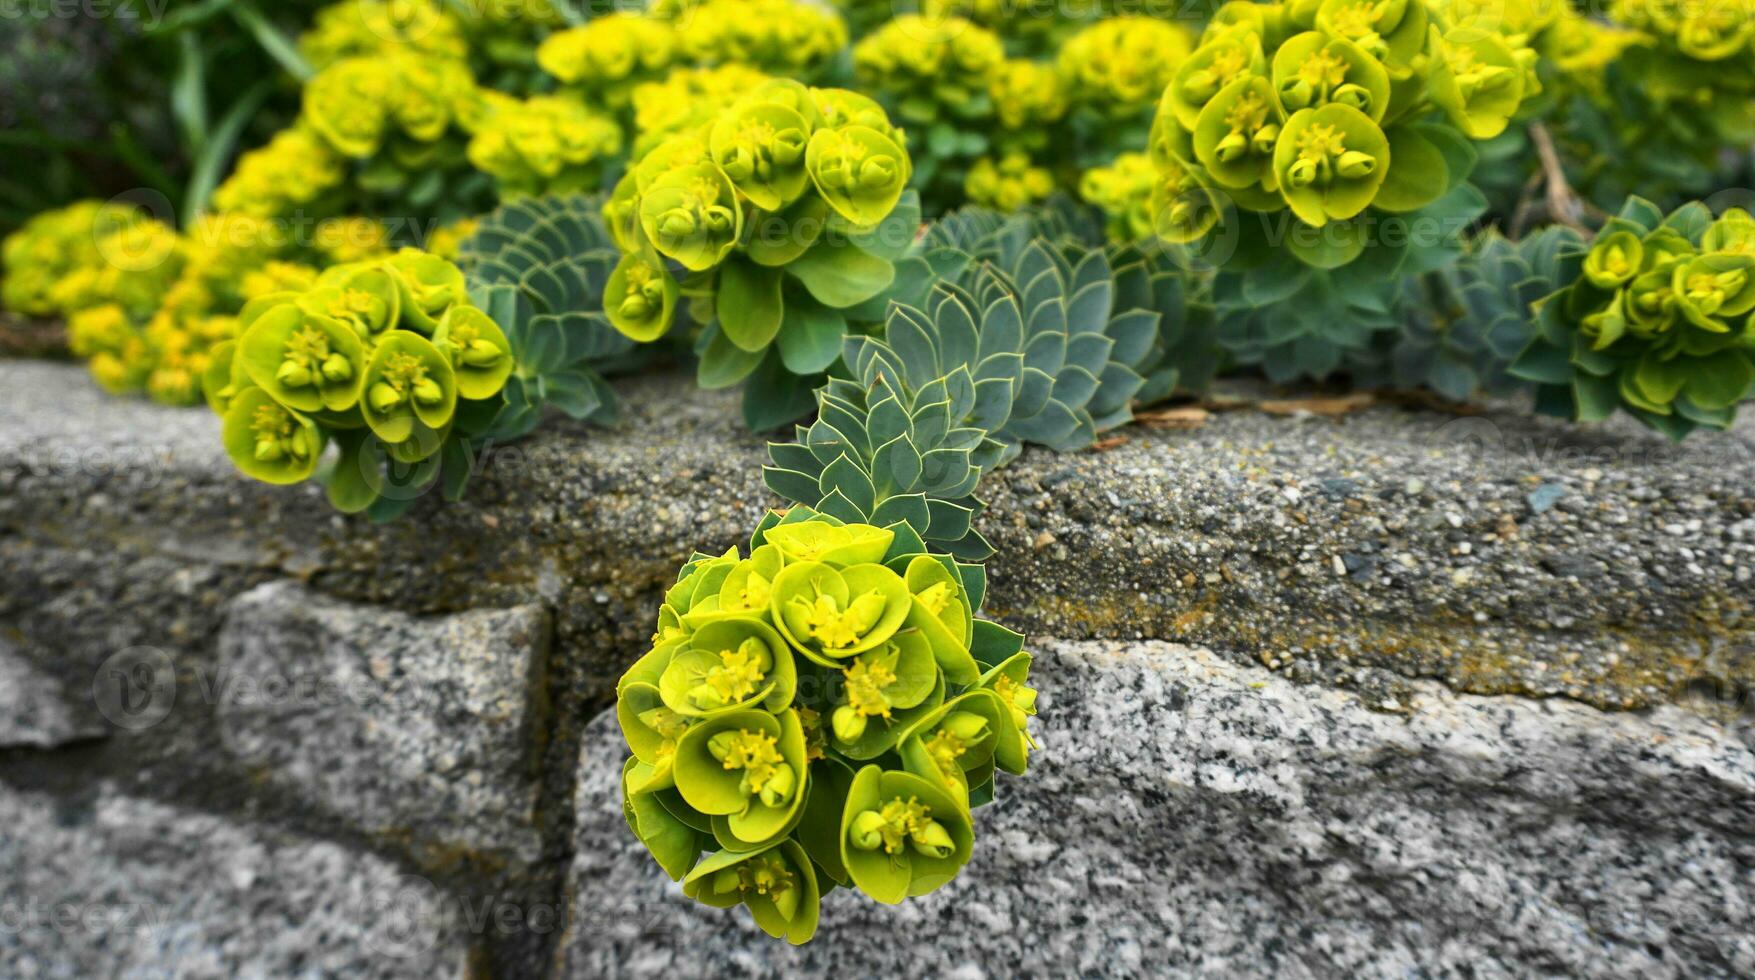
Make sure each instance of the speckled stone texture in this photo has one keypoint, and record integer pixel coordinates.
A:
(113, 886)
(397, 725)
(1324, 793)
(1189, 816)
(1499, 553)
(34, 709)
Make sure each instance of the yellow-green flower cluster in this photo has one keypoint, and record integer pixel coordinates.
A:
(1008, 183)
(605, 58)
(930, 68)
(545, 144)
(292, 174)
(1028, 96)
(686, 99)
(1119, 66)
(781, 161)
(1659, 320)
(231, 260)
(352, 239)
(277, 276)
(132, 262)
(609, 57)
(50, 246)
(397, 101)
(354, 28)
(113, 348)
(145, 305)
(378, 355)
(828, 708)
(1123, 190)
(506, 32)
(1700, 30)
(1312, 107)
(788, 38)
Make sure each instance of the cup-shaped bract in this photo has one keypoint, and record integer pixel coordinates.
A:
(748, 767)
(1614, 259)
(760, 147)
(408, 389)
(1235, 135)
(691, 214)
(860, 171)
(734, 662)
(640, 297)
(960, 738)
(880, 692)
(778, 884)
(835, 544)
(1009, 680)
(838, 107)
(652, 730)
(1477, 81)
(829, 614)
(1313, 69)
(902, 835)
(748, 585)
(1711, 290)
(1222, 58)
(306, 361)
(367, 295)
(480, 354)
(429, 286)
(1183, 207)
(268, 441)
(671, 830)
(1733, 232)
(1329, 163)
(1390, 31)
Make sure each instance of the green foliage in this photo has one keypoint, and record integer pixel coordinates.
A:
(1147, 276)
(1656, 322)
(539, 268)
(903, 440)
(149, 97)
(1080, 333)
(825, 710)
(1467, 322)
(1001, 331)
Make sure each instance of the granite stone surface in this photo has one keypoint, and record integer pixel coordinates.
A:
(35, 710)
(1394, 760)
(1189, 816)
(1496, 552)
(109, 885)
(424, 728)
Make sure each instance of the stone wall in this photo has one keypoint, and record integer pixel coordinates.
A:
(1399, 692)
